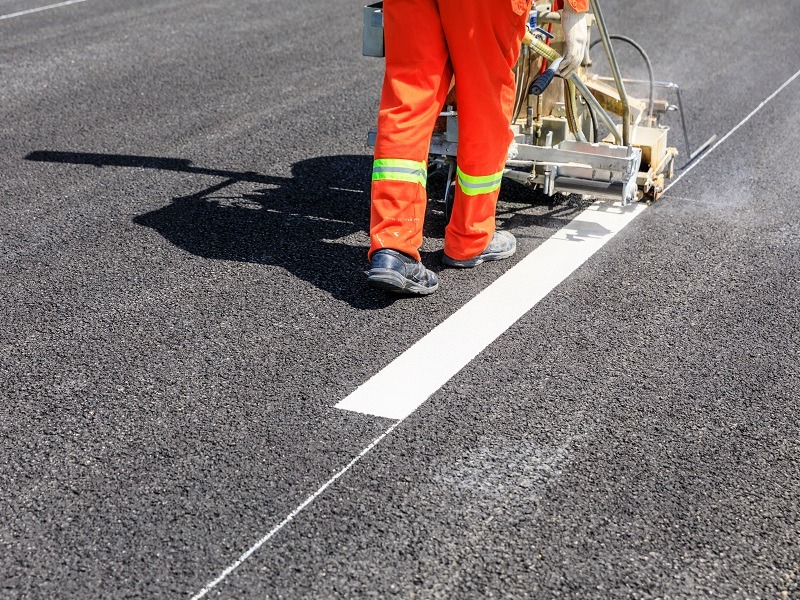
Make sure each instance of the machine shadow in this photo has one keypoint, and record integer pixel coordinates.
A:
(313, 223)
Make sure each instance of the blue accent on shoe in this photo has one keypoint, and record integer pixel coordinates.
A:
(503, 245)
(396, 272)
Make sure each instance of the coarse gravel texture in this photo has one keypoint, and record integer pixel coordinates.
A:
(184, 192)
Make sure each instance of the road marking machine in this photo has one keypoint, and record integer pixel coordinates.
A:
(587, 136)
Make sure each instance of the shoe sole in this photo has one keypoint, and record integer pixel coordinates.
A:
(478, 260)
(386, 279)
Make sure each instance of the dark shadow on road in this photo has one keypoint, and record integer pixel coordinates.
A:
(293, 222)
(313, 223)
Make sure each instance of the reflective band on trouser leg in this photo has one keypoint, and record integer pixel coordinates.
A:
(398, 169)
(398, 203)
(491, 33)
(474, 186)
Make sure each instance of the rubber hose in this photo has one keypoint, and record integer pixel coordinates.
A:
(570, 102)
(524, 76)
(544, 50)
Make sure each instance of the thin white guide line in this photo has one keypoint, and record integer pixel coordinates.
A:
(233, 566)
(734, 130)
(603, 224)
(40, 9)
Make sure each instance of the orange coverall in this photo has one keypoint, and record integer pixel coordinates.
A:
(427, 42)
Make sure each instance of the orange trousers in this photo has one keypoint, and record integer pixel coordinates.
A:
(427, 42)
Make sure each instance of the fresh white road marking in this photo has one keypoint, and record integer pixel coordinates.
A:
(407, 382)
(580, 229)
(40, 9)
(437, 357)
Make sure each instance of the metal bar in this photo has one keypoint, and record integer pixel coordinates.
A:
(440, 146)
(612, 60)
(660, 84)
(542, 154)
(683, 122)
(668, 156)
(601, 112)
(700, 150)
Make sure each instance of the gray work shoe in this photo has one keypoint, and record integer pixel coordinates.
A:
(503, 245)
(394, 271)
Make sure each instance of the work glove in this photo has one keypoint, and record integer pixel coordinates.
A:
(576, 36)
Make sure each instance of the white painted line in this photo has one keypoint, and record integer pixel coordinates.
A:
(735, 129)
(211, 585)
(407, 382)
(437, 357)
(40, 9)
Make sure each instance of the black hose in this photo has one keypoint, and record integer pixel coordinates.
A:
(595, 128)
(627, 40)
(570, 102)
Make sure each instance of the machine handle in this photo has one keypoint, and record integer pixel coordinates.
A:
(540, 84)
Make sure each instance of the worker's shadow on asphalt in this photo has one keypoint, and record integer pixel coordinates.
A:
(314, 223)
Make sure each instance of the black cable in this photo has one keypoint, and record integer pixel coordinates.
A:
(627, 40)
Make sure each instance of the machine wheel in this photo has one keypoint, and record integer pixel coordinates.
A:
(450, 192)
(449, 197)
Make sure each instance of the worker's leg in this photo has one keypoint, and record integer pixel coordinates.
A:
(484, 39)
(418, 75)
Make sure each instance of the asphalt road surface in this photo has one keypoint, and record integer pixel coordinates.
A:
(184, 200)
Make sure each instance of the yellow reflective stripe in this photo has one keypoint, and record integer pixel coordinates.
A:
(473, 185)
(409, 177)
(480, 178)
(399, 169)
(399, 162)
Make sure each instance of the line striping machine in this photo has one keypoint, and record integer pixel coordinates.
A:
(587, 136)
